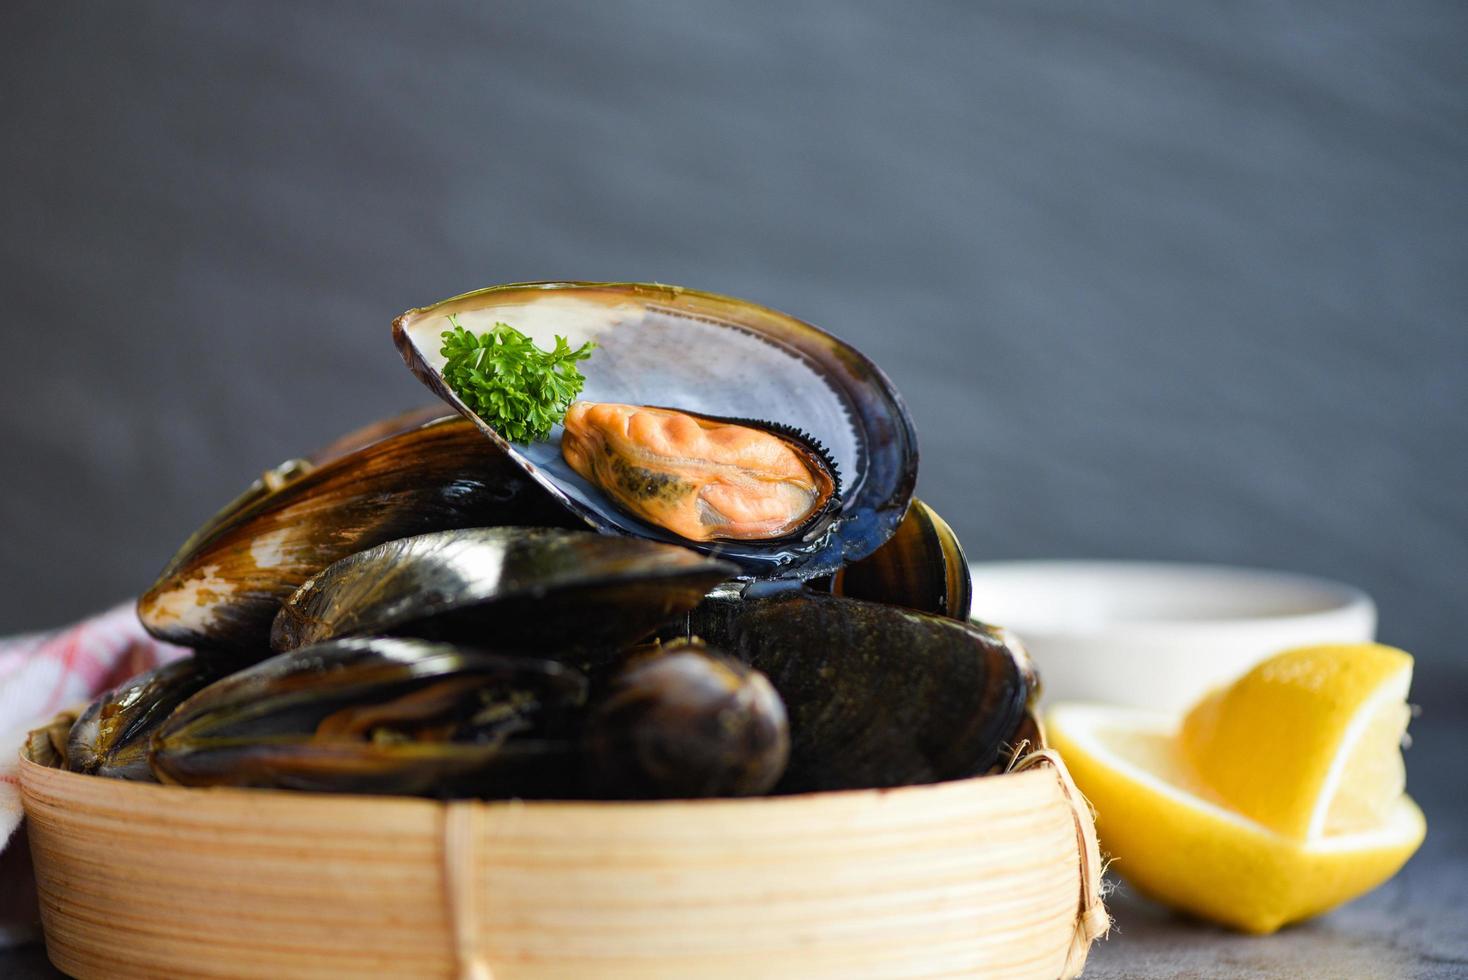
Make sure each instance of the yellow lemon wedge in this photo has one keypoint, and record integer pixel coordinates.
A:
(1308, 742)
(1177, 843)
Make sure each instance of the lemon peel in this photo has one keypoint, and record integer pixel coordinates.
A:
(1308, 742)
(1177, 842)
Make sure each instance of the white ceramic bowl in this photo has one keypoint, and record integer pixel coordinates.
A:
(1158, 634)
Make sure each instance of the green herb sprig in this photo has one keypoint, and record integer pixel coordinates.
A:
(519, 389)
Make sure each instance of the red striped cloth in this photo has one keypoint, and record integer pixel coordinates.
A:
(40, 674)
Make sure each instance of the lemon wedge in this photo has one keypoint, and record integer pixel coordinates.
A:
(1307, 743)
(1178, 843)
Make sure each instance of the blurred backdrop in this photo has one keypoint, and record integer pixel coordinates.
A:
(1158, 280)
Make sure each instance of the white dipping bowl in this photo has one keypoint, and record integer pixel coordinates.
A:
(1159, 634)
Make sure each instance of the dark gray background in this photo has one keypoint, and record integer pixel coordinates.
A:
(1158, 280)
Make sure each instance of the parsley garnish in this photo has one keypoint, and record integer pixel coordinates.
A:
(519, 389)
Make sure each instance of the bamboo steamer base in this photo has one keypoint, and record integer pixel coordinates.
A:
(992, 877)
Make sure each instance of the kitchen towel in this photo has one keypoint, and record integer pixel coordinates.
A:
(41, 674)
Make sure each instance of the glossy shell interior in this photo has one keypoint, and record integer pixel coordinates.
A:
(680, 348)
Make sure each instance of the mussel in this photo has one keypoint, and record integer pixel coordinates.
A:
(111, 737)
(683, 720)
(46, 745)
(222, 590)
(466, 617)
(704, 479)
(381, 715)
(569, 594)
(716, 358)
(877, 695)
(922, 566)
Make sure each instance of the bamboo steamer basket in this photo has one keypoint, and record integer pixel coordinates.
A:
(996, 876)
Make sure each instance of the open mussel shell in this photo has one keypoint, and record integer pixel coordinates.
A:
(922, 566)
(568, 594)
(684, 721)
(111, 737)
(877, 695)
(221, 591)
(714, 356)
(381, 715)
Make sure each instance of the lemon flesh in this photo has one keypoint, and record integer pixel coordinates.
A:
(1307, 743)
(1176, 842)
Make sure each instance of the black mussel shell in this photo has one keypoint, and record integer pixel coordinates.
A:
(222, 590)
(877, 695)
(382, 715)
(711, 355)
(111, 736)
(684, 721)
(921, 567)
(567, 594)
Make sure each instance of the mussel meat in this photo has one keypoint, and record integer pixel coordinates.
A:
(686, 721)
(703, 479)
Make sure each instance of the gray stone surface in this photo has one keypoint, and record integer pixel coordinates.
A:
(1158, 280)
(1414, 926)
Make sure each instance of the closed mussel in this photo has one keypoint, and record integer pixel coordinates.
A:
(877, 695)
(683, 720)
(111, 737)
(222, 590)
(381, 715)
(574, 595)
(922, 566)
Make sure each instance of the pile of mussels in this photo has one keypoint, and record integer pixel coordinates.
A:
(713, 580)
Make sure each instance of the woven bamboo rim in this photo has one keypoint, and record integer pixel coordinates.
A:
(997, 876)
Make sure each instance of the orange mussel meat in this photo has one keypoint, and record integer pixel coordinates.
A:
(702, 478)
